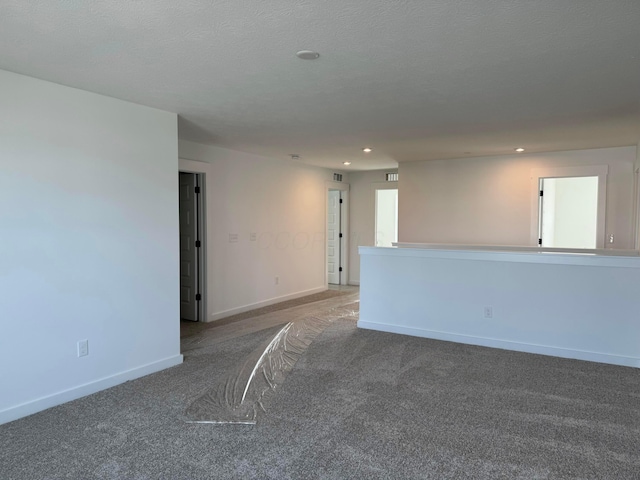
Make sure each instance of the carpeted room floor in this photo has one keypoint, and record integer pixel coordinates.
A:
(358, 404)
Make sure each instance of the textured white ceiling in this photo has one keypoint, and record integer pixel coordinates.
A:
(414, 79)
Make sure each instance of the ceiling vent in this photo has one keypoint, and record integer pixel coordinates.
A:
(391, 177)
(337, 177)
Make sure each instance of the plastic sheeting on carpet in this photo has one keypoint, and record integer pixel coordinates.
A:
(242, 395)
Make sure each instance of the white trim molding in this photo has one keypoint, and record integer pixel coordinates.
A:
(29, 408)
(265, 303)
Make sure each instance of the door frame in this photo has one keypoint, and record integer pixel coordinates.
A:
(201, 225)
(599, 171)
(344, 228)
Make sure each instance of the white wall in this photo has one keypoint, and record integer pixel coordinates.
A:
(488, 200)
(551, 304)
(362, 219)
(88, 243)
(284, 203)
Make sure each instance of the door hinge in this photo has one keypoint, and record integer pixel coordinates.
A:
(340, 235)
(198, 297)
(539, 241)
(198, 243)
(541, 193)
(197, 189)
(340, 200)
(340, 269)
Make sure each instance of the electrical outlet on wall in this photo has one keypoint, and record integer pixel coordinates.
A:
(83, 348)
(488, 312)
(277, 280)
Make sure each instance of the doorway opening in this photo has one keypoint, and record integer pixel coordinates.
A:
(569, 207)
(191, 216)
(386, 227)
(568, 212)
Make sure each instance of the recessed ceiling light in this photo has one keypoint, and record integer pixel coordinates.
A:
(307, 54)
(346, 163)
(519, 149)
(295, 156)
(366, 150)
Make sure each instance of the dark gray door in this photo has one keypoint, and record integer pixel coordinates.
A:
(189, 247)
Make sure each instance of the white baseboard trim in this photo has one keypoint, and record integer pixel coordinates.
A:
(265, 303)
(35, 406)
(599, 357)
(354, 283)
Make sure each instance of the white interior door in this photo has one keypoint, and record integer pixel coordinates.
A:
(569, 212)
(333, 236)
(189, 262)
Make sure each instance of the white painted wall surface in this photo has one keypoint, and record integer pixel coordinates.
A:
(567, 305)
(362, 219)
(88, 243)
(487, 200)
(283, 203)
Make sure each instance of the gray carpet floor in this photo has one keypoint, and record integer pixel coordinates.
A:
(358, 404)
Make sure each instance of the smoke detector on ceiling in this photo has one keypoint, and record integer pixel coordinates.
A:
(307, 54)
